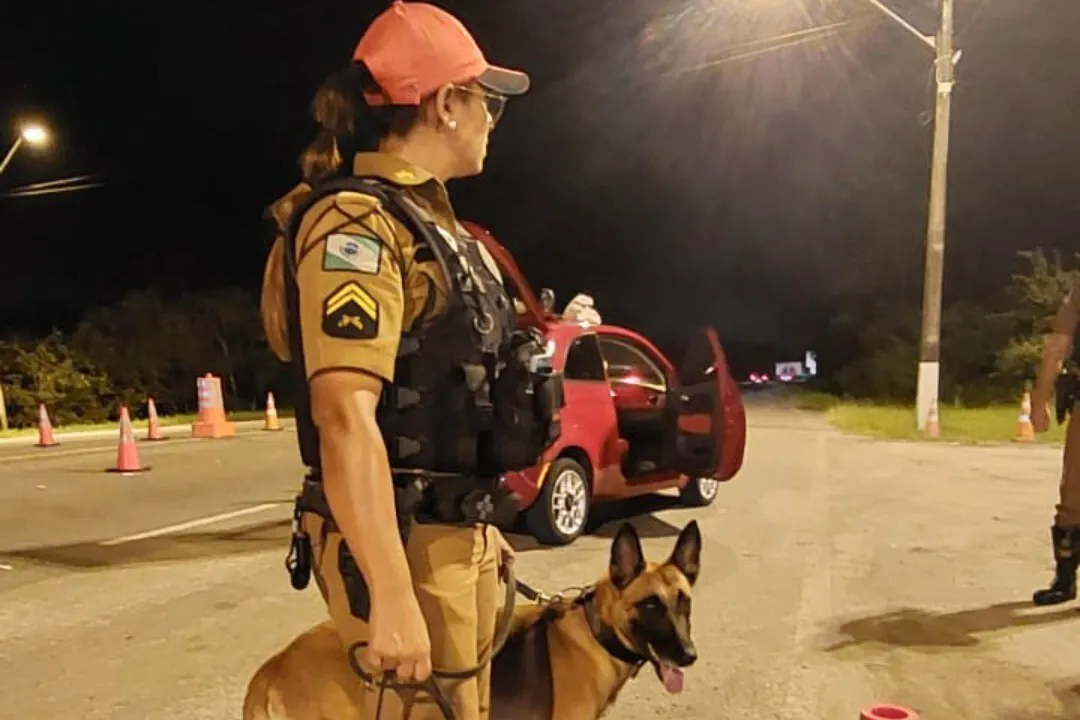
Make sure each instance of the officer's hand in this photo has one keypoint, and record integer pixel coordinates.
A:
(506, 556)
(1040, 417)
(399, 638)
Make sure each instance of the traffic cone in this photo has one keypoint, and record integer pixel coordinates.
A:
(888, 712)
(271, 414)
(1025, 431)
(933, 422)
(211, 422)
(45, 429)
(127, 455)
(153, 431)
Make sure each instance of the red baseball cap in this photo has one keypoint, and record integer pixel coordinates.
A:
(413, 49)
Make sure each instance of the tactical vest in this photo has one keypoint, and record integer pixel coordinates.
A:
(468, 396)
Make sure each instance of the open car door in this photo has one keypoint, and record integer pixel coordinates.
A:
(707, 432)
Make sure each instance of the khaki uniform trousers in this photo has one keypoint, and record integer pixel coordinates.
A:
(455, 573)
(1068, 508)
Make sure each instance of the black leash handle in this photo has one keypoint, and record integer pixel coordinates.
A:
(430, 686)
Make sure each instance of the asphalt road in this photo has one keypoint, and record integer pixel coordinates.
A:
(837, 572)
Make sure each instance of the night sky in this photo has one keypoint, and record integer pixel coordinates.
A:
(685, 161)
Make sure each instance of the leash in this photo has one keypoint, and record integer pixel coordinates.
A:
(430, 686)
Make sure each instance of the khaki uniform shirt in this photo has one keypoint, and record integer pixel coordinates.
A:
(361, 284)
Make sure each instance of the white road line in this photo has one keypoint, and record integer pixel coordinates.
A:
(199, 522)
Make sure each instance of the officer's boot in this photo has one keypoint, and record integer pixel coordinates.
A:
(1063, 589)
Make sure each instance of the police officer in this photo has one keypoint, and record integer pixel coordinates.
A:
(416, 393)
(1065, 532)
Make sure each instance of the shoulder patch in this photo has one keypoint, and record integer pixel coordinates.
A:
(350, 312)
(354, 253)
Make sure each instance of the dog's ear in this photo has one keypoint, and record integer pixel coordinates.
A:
(627, 558)
(687, 553)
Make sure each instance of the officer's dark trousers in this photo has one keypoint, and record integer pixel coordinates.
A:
(1068, 508)
(456, 577)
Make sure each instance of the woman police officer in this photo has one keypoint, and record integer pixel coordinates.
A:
(413, 110)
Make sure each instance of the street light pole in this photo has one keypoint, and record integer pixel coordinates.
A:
(929, 375)
(3, 166)
(11, 153)
(35, 135)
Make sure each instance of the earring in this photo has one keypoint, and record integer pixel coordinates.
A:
(452, 124)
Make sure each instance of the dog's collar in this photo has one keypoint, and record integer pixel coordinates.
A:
(605, 635)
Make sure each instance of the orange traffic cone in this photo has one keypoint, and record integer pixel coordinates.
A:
(1025, 431)
(153, 431)
(271, 414)
(933, 422)
(127, 456)
(211, 422)
(45, 429)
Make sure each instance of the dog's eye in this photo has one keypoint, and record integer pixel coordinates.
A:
(651, 603)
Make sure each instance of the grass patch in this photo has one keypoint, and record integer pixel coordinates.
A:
(995, 424)
(165, 420)
(816, 401)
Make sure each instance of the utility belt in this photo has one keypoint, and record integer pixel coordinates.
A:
(1066, 394)
(423, 496)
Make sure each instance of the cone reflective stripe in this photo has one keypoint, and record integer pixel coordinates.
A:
(153, 431)
(45, 429)
(127, 455)
(933, 422)
(272, 422)
(1025, 431)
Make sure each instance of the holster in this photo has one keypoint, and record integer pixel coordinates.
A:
(448, 500)
(1065, 387)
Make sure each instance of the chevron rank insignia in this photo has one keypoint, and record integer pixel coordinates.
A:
(350, 312)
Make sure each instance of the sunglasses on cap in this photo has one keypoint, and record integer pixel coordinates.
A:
(494, 102)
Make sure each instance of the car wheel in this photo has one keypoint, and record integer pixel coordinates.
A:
(561, 510)
(700, 492)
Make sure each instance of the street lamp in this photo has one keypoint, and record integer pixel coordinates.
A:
(929, 375)
(33, 135)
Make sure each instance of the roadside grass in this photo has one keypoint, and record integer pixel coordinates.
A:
(165, 420)
(994, 424)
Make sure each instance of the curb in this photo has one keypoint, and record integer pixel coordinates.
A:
(85, 435)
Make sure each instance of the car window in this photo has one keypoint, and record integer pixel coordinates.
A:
(584, 361)
(627, 363)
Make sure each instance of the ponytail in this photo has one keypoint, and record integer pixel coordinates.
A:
(348, 125)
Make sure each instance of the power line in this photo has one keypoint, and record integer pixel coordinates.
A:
(53, 183)
(771, 44)
(22, 192)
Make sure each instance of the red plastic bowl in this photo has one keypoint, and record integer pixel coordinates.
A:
(887, 712)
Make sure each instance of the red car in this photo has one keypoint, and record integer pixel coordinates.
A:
(634, 422)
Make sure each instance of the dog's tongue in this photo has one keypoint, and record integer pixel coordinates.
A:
(672, 677)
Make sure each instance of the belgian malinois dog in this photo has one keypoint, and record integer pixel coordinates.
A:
(564, 659)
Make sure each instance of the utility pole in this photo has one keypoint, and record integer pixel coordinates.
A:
(930, 348)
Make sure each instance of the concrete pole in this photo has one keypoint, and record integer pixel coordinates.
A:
(930, 348)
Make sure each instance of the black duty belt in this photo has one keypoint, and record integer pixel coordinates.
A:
(430, 498)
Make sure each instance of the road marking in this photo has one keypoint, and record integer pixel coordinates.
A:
(199, 522)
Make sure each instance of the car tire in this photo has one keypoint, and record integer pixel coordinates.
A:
(700, 492)
(561, 510)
